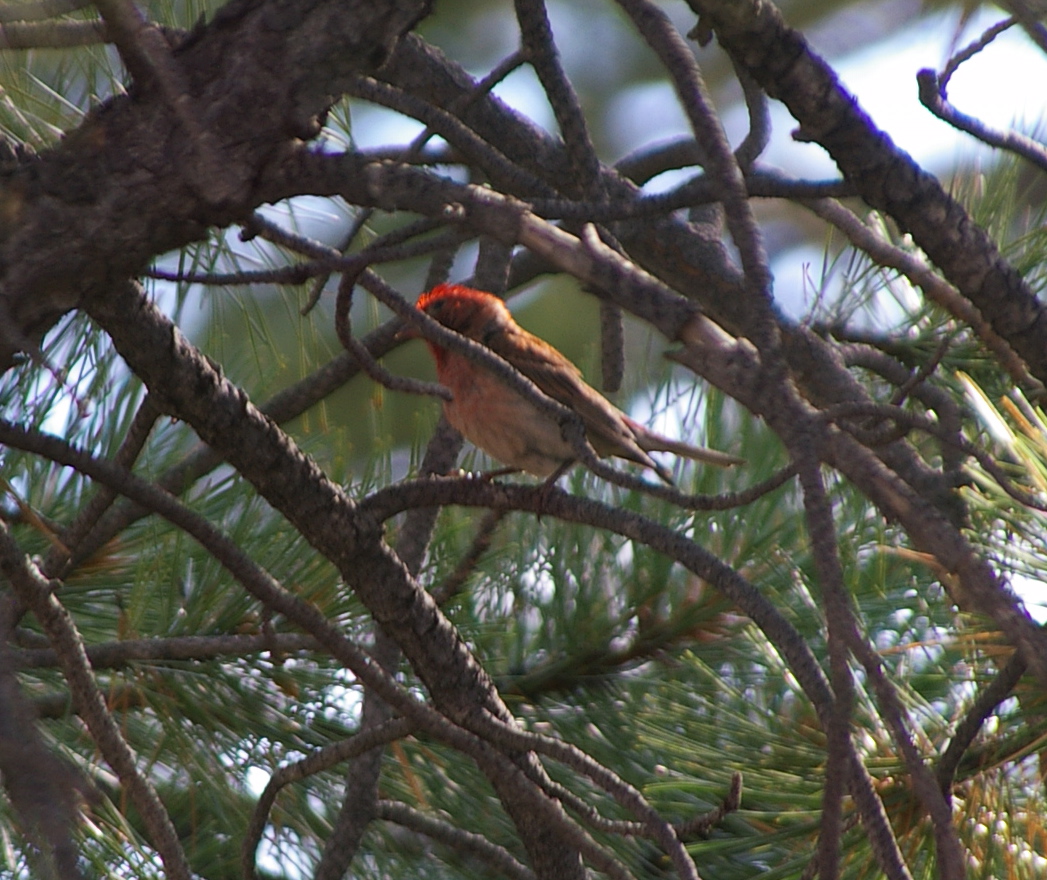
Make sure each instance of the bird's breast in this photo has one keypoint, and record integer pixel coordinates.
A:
(504, 424)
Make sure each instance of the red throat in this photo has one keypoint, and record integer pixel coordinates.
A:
(439, 355)
(457, 300)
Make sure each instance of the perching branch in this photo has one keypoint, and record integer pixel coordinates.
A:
(35, 591)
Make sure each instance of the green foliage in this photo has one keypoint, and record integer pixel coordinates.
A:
(592, 638)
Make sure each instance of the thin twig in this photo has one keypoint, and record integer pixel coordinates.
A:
(368, 364)
(13, 339)
(612, 329)
(932, 397)
(972, 49)
(843, 628)
(499, 859)
(983, 705)
(696, 826)
(655, 826)
(695, 192)
(295, 274)
(951, 856)
(502, 171)
(936, 288)
(386, 249)
(315, 762)
(537, 36)
(932, 96)
(910, 420)
(839, 621)
(130, 448)
(612, 346)
(1030, 17)
(451, 585)
(759, 134)
(114, 655)
(925, 371)
(35, 591)
(700, 825)
(648, 161)
(52, 34)
(37, 10)
(391, 247)
(722, 166)
(414, 151)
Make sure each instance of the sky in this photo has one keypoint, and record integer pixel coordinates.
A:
(1001, 85)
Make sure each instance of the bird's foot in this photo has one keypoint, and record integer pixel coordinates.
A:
(549, 485)
(500, 472)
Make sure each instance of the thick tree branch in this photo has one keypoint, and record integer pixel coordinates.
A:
(755, 35)
(983, 705)
(739, 373)
(779, 632)
(520, 781)
(35, 591)
(40, 788)
(126, 185)
(114, 655)
(184, 383)
(362, 776)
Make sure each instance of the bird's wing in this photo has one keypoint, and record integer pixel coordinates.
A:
(606, 426)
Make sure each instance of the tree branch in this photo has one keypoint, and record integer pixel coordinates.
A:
(51, 250)
(34, 590)
(887, 178)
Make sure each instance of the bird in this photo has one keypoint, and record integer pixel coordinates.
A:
(506, 425)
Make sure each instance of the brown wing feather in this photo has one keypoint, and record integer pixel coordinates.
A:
(606, 426)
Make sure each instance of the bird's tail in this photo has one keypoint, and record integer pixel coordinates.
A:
(652, 442)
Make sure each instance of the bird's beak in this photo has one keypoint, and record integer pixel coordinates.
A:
(407, 332)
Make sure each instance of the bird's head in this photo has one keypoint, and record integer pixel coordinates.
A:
(473, 313)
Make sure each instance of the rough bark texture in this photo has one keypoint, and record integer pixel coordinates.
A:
(779, 59)
(131, 182)
(185, 384)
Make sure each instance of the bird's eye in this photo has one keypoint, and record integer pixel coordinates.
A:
(441, 311)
